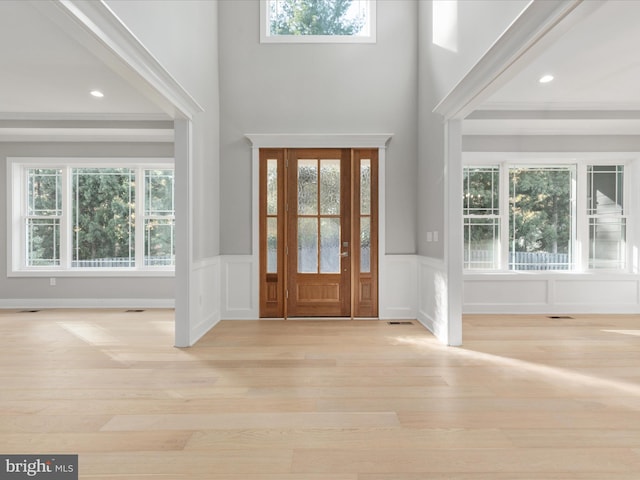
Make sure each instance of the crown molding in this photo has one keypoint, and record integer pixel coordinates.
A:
(75, 134)
(330, 140)
(573, 126)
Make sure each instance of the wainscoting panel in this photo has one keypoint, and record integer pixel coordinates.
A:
(549, 293)
(617, 293)
(239, 287)
(398, 286)
(206, 276)
(496, 291)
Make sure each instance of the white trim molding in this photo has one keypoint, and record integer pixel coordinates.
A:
(36, 303)
(319, 140)
(358, 140)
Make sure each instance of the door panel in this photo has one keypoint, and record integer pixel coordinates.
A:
(319, 281)
(272, 209)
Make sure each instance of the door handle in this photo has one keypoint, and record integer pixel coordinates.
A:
(344, 254)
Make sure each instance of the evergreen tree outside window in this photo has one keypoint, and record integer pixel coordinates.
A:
(541, 220)
(316, 21)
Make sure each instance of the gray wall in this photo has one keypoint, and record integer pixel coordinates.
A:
(476, 26)
(161, 288)
(318, 88)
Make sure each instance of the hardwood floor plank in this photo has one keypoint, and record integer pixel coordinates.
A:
(539, 460)
(349, 438)
(250, 420)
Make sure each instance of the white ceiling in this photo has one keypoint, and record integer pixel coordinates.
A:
(596, 64)
(47, 72)
(594, 56)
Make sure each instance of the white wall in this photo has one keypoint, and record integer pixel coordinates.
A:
(183, 36)
(23, 292)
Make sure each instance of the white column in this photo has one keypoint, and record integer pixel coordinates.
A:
(453, 226)
(184, 227)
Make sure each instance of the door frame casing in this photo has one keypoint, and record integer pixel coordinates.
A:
(370, 141)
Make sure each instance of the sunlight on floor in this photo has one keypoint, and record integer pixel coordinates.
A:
(543, 372)
(89, 333)
(635, 333)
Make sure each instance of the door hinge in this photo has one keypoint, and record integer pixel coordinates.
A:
(287, 294)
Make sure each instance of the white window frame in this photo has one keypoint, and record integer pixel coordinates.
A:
(16, 208)
(580, 247)
(498, 260)
(266, 37)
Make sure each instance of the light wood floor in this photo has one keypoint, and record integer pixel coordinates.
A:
(527, 397)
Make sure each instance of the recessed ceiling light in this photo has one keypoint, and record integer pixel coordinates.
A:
(97, 93)
(546, 79)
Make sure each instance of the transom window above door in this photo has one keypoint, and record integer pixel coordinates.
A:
(317, 21)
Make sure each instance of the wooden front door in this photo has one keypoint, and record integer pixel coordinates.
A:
(318, 225)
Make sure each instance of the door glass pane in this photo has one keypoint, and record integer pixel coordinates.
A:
(365, 187)
(365, 244)
(272, 245)
(330, 245)
(272, 186)
(330, 187)
(307, 187)
(307, 245)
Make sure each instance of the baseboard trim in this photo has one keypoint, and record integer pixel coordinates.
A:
(16, 303)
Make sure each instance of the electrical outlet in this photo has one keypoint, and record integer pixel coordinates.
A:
(52, 282)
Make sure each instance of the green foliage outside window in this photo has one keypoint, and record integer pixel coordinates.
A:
(541, 219)
(314, 17)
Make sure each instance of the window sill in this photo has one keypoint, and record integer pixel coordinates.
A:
(87, 273)
(549, 274)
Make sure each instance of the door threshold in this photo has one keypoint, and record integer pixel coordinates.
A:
(332, 318)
